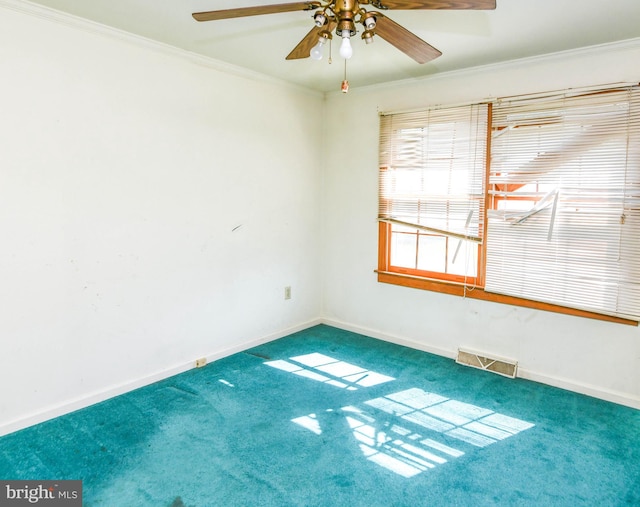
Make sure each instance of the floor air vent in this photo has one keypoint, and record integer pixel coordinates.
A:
(501, 366)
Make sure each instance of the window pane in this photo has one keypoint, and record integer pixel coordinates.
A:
(403, 249)
(432, 253)
(465, 263)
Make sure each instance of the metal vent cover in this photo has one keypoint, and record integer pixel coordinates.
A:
(484, 361)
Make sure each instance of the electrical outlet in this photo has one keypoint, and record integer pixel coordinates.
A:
(201, 362)
(287, 292)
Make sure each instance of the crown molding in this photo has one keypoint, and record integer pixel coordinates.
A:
(92, 27)
(598, 49)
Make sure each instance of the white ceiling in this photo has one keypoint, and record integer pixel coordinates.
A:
(516, 29)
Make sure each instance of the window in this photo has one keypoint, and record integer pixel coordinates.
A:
(432, 191)
(550, 220)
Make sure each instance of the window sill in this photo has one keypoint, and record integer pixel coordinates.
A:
(455, 289)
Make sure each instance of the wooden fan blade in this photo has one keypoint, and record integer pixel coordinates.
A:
(303, 48)
(404, 40)
(431, 4)
(255, 11)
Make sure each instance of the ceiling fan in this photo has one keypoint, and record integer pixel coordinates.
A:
(343, 15)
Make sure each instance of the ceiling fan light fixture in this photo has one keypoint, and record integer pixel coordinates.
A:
(346, 28)
(367, 36)
(369, 21)
(346, 51)
(346, 25)
(320, 19)
(317, 50)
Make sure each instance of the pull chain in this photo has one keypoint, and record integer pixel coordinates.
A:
(345, 84)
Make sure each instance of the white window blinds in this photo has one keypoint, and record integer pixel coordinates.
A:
(565, 191)
(433, 170)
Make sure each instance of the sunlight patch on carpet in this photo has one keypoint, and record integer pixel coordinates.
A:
(329, 370)
(475, 425)
(393, 435)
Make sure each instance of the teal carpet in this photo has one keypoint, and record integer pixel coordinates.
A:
(325, 417)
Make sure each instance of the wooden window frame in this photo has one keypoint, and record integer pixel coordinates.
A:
(386, 274)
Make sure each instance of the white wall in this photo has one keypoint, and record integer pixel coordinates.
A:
(592, 357)
(152, 209)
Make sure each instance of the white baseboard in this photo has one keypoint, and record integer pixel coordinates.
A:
(577, 387)
(96, 397)
(265, 339)
(391, 338)
(80, 402)
(562, 383)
